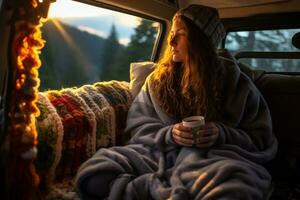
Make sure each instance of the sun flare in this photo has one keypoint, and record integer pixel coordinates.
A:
(68, 8)
(72, 9)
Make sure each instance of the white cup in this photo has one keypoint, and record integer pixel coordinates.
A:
(194, 122)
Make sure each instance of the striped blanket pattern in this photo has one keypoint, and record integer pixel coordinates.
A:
(73, 124)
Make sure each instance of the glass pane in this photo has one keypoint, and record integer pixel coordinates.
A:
(86, 44)
(267, 40)
(273, 65)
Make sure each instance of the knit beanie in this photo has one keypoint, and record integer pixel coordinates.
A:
(207, 19)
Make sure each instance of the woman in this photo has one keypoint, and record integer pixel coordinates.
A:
(162, 159)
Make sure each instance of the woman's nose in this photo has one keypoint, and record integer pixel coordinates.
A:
(173, 41)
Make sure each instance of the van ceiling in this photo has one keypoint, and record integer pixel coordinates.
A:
(230, 3)
(244, 8)
(161, 9)
(165, 9)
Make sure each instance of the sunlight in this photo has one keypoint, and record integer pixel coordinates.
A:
(69, 8)
(64, 33)
(71, 43)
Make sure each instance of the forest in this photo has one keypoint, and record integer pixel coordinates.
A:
(72, 57)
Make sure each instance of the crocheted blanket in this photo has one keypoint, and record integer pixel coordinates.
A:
(73, 124)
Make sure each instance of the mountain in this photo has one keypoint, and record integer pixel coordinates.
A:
(124, 28)
(70, 57)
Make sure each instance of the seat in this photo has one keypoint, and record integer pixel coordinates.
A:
(282, 94)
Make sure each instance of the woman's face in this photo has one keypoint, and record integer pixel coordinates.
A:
(178, 41)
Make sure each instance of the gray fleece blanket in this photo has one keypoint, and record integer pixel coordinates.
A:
(152, 166)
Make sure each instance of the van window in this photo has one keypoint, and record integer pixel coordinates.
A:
(86, 44)
(265, 41)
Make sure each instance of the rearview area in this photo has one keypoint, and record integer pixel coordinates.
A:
(255, 44)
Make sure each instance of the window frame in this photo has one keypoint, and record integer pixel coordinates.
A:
(264, 22)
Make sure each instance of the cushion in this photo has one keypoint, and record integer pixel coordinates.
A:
(138, 74)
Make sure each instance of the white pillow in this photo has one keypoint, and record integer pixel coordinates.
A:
(138, 74)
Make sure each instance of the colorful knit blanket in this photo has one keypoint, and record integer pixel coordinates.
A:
(73, 124)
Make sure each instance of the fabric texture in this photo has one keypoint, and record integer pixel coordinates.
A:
(73, 124)
(207, 19)
(152, 166)
(138, 73)
(50, 135)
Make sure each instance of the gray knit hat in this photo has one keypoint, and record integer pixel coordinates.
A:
(207, 19)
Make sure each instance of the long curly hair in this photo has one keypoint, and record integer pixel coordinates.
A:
(193, 88)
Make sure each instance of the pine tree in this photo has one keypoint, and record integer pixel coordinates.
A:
(110, 52)
(142, 42)
(139, 49)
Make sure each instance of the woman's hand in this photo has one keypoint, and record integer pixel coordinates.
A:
(205, 137)
(182, 135)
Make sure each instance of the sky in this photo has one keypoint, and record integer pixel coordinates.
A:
(93, 19)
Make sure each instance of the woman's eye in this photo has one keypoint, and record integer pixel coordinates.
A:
(176, 35)
(180, 32)
(180, 35)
